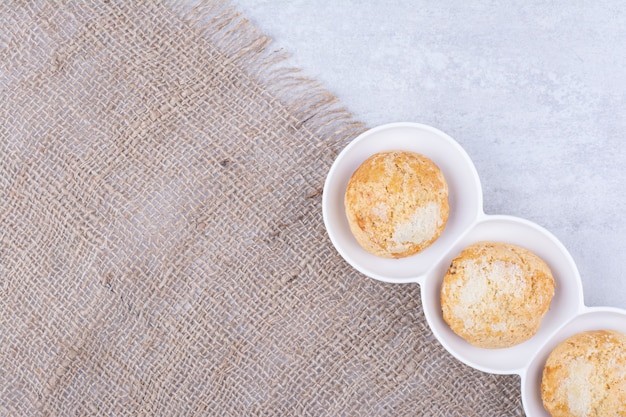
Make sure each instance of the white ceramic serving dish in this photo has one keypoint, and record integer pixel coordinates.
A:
(466, 224)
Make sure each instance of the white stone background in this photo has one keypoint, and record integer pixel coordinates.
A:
(535, 91)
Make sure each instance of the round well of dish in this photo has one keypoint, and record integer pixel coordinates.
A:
(586, 377)
(566, 302)
(464, 197)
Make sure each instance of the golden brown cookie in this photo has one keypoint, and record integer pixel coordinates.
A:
(397, 203)
(585, 375)
(494, 295)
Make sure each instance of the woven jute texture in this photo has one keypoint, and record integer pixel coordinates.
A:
(162, 247)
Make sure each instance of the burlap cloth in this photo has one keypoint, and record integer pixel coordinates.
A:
(163, 250)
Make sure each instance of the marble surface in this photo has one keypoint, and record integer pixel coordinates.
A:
(535, 91)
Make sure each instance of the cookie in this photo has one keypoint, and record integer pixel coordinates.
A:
(585, 375)
(396, 203)
(494, 295)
